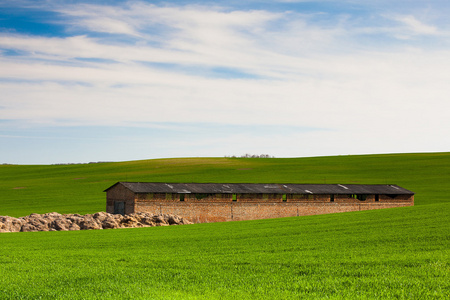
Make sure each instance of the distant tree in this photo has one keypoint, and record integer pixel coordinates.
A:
(248, 155)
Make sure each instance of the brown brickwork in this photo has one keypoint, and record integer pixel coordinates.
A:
(200, 212)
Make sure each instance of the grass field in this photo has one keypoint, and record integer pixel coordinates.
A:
(400, 253)
(79, 188)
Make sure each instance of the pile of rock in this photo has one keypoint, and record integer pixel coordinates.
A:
(101, 220)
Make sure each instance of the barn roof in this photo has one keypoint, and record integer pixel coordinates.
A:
(261, 188)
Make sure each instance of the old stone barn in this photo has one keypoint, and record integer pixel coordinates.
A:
(217, 202)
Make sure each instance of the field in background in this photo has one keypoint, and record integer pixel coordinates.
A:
(79, 188)
(399, 253)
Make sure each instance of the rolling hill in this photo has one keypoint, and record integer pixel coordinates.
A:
(26, 189)
(399, 253)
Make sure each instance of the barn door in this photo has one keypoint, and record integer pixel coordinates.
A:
(119, 207)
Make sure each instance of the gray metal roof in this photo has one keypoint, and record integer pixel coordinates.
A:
(261, 188)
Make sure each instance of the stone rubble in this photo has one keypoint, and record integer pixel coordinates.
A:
(101, 220)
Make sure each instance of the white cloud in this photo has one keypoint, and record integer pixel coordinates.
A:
(343, 92)
(110, 25)
(302, 73)
(414, 26)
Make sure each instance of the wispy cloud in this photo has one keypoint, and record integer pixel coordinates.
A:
(416, 26)
(134, 64)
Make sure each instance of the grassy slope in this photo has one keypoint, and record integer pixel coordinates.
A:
(401, 253)
(78, 188)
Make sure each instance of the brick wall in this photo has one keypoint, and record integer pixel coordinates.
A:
(219, 208)
(200, 211)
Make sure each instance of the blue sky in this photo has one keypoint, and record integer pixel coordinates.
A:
(85, 81)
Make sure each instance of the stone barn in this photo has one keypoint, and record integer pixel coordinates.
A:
(218, 202)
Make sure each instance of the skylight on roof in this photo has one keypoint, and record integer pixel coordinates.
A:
(271, 186)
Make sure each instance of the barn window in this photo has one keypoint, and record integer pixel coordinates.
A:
(181, 197)
(284, 197)
(377, 198)
(203, 196)
(234, 197)
(360, 197)
(331, 198)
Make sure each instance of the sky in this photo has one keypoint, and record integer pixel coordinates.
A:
(87, 81)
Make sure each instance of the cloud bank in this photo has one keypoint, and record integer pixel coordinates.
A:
(347, 82)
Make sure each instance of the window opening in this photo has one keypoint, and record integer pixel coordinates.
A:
(181, 197)
(234, 198)
(203, 196)
(360, 197)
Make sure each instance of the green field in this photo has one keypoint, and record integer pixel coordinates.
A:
(400, 253)
(79, 188)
